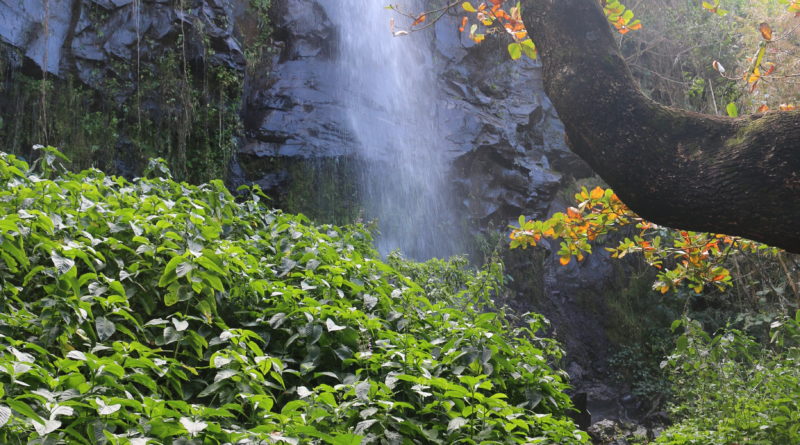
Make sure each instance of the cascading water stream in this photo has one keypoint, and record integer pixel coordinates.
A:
(390, 95)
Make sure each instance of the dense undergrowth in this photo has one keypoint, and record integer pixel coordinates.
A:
(731, 388)
(155, 311)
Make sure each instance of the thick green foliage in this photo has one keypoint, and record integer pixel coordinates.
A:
(158, 312)
(733, 389)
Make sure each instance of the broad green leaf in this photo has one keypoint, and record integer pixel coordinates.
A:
(347, 439)
(43, 429)
(63, 264)
(456, 423)
(732, 109)
(105, 328)
(529, 48)
(169, 275)
(193, 426)
(5, 415)
(515, 50)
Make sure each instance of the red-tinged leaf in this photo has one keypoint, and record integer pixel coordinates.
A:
(763, 108)
(597, 193)
(564, 260)
(718, 66)
(419, 20)
(464, 21)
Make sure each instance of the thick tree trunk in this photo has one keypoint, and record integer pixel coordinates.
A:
(673, 167)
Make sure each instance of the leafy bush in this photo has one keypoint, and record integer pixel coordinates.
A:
(158, 312)
(732, 389)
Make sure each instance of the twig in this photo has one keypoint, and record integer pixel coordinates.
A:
(713, 97)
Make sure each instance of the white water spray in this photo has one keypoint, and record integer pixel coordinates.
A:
(390, 95)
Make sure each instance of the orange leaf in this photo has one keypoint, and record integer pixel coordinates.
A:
(419, 20)
(574, 213)
(564, 260)
(597, 193)
(463, 24)
(763, 109)
(766, 31)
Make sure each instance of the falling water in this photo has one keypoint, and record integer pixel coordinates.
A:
(390, 95)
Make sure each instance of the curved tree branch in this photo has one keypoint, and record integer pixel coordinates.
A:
(673, 167)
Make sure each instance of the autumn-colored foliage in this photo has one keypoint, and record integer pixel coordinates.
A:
(681, 257)
(504, 17)
(774, 59)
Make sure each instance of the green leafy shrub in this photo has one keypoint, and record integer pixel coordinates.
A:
(155, 311)
(732, 389)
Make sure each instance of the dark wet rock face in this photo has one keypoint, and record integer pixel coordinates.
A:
(87, 37)
(297, 113)
(502, 134)
(151, 78)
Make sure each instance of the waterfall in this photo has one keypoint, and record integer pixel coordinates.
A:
(389, 90)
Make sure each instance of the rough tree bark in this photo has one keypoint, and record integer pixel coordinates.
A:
(676, 168)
